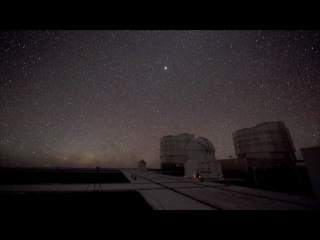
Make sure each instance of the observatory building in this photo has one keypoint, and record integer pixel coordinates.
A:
(202, 162)
(311, 156)
(142, 165)
(269, 140)
(173, 153)
(269, 152)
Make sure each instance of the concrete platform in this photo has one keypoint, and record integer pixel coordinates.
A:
(164, 192)
(237, 201)
(165, 199)
(219, 196)
(298, 199)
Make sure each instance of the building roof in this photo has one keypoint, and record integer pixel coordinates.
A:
(261, 124)
(179, 135)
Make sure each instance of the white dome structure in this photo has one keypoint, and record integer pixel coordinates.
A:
(202, 162)
(201, 144)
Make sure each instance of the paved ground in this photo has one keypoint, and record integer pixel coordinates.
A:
(163, 192)
(177, 193)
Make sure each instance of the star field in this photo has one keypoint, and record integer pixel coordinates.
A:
(89, 98)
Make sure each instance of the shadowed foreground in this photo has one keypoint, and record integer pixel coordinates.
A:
(64, 176)
(73, 201)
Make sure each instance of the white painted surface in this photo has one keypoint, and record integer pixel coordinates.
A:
(165, 199)
(236, 201)
(201, 160)
(293, 198)
(181, 185)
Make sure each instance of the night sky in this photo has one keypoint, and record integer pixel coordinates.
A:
(105, 98)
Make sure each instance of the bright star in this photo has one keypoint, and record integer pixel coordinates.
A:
(165, 68)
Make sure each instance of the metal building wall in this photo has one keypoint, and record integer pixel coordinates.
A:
(311, 156)
(173, 150)
(263, 138)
